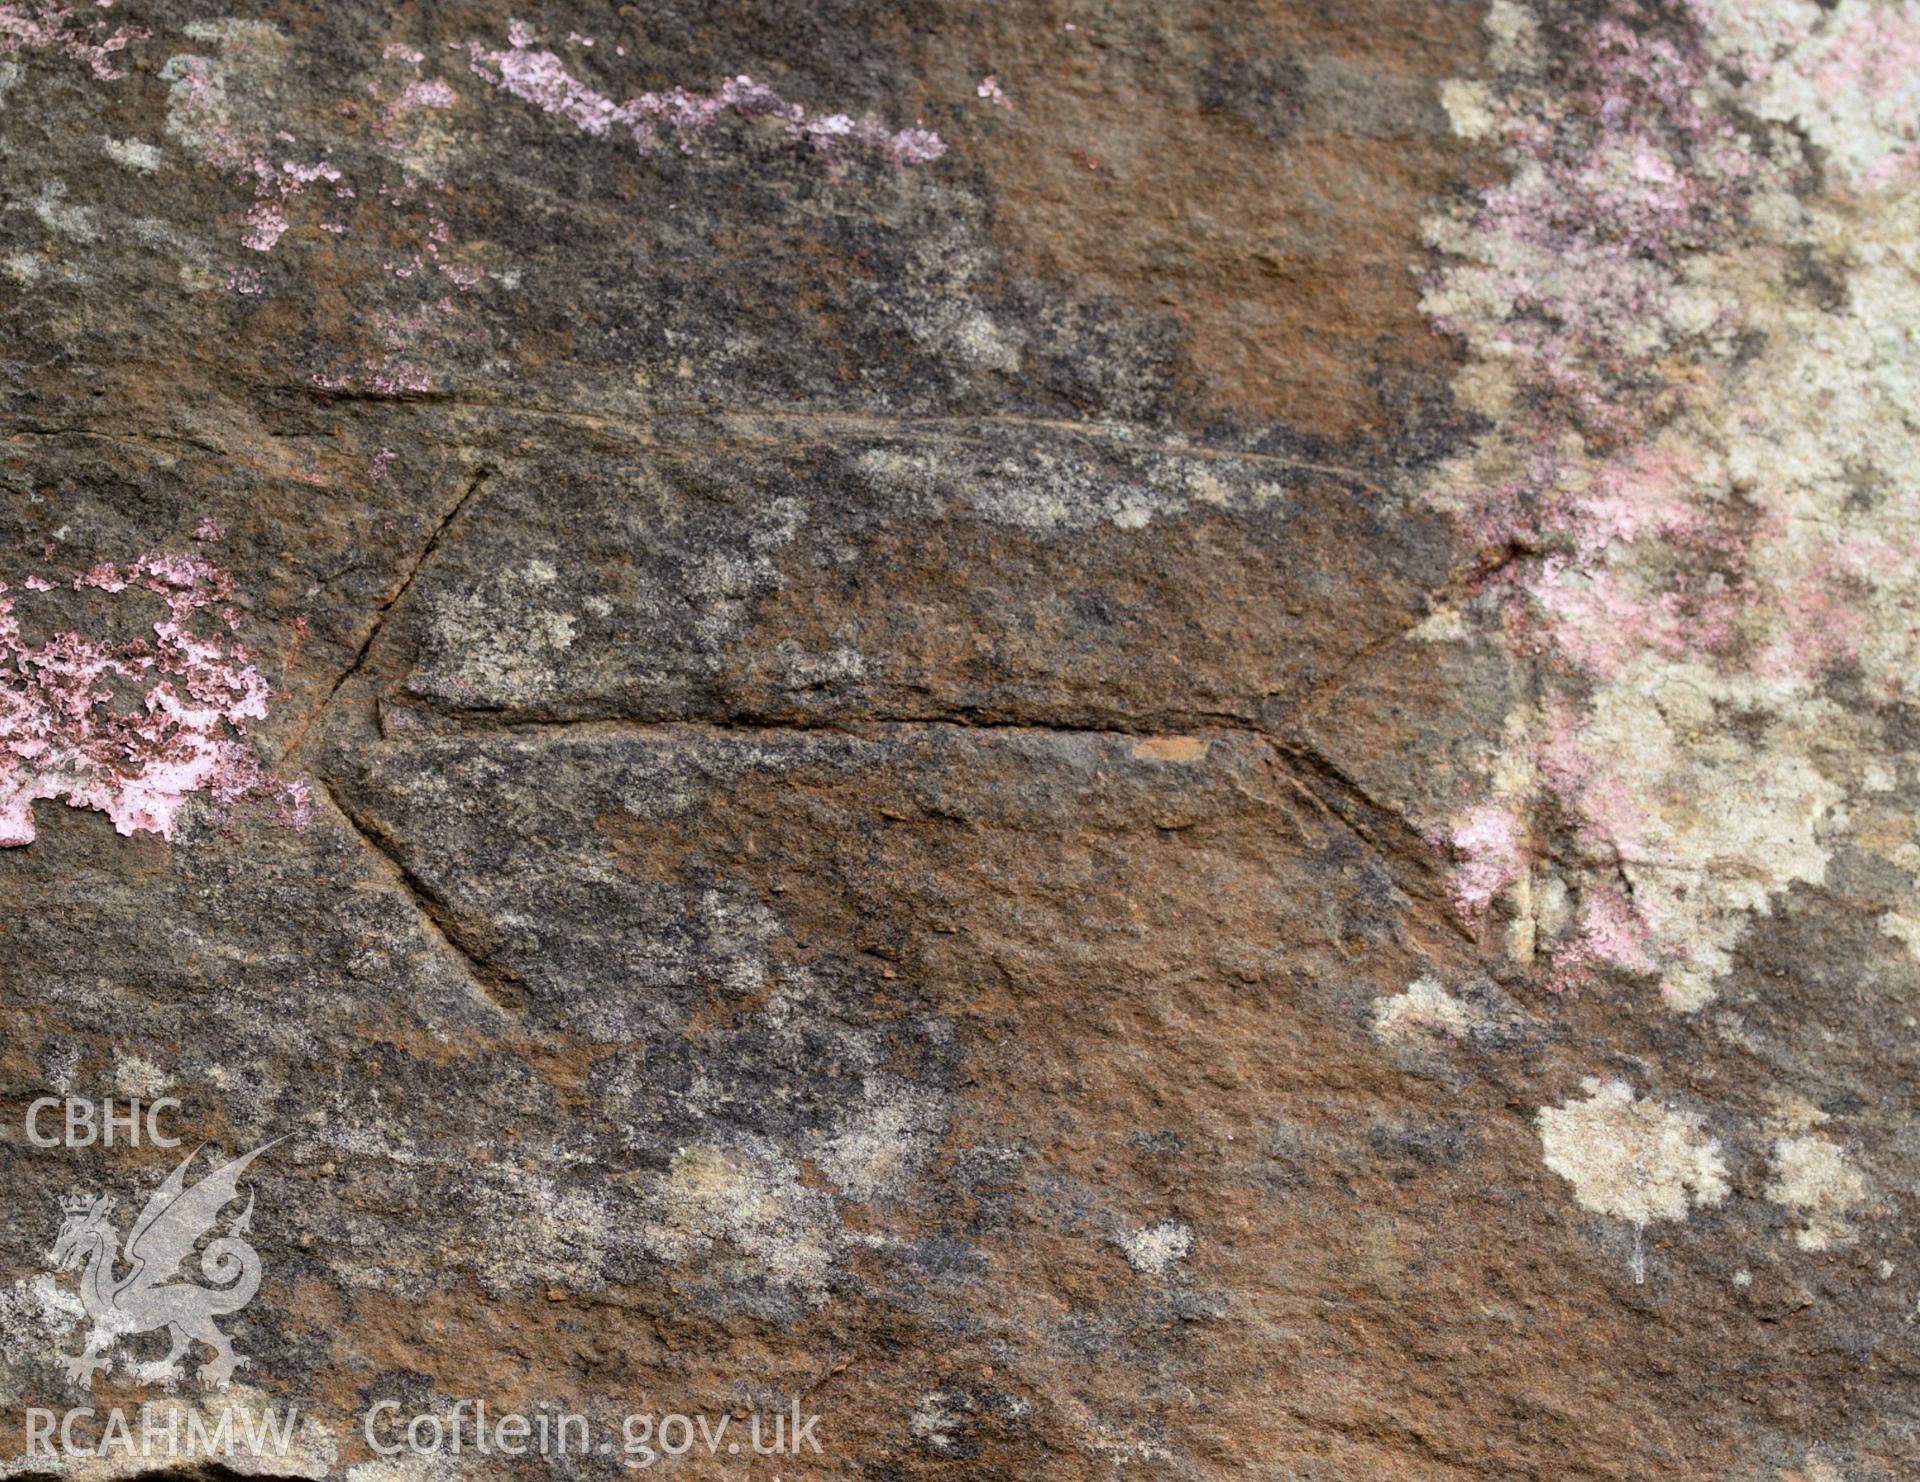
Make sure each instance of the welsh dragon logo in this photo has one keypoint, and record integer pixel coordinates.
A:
(153, 1293)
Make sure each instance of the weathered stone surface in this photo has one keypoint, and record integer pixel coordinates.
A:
(1213, 778)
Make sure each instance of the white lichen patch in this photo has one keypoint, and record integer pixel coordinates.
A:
(219, 108)
(1467, 108)
(1424, 1011)
(58, 215)
(878, 1147)
(1844, 72)
(799, 669)
(1045, 491)
(1157, 1249)
(237, 31)
(961, 330)
(1711, 826)
(1516, 37)
(1812, 1175)
(753, 1201)
(505, 646)
(935, 1422)
(1630, 1158)
(135, 1075)
(1443, 625)
(1902, 928)
(505, 641)
(199, 117)
(1790, 1112)
(133, 154)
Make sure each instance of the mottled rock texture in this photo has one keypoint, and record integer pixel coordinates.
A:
(1117, 740)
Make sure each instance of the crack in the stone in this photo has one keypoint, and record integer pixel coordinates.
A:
(497, 985)
(475, 483)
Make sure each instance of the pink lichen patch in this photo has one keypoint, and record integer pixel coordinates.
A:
(1855, 82)
(422, 94)
(991, 90)
(1489, 846)
(396, 378)
(295, 804)
(1598, 619)
(1646, 492)
(1876, 56)
(432, 93)
(294, 177)
(1825, 618)
(541, 78)
(106, 576)
(911, 147)
(52, 27)
(209, 530)
(382, 461)
(379, 375)
(1596, 626)
(1610, 934)
(266, 224)
(199, 112)
(1575, 247)
(273, 187)
(66, 732)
